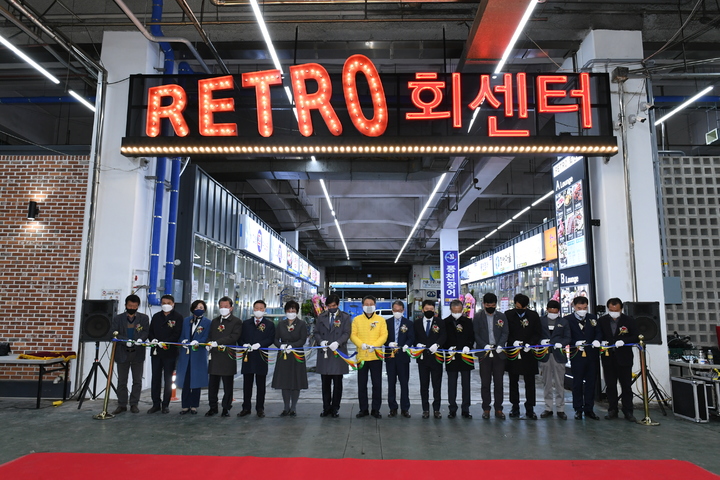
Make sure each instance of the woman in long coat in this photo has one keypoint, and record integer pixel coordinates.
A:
(290, 375)
(192, 365)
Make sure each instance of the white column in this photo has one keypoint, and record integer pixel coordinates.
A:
(610, 202)
(448, 243)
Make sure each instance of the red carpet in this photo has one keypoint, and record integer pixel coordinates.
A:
(178, 467)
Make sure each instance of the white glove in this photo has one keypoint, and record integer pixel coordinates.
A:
(558, 346)
(420, 345)
(255, 346)
(184, 341)
(129, 343)
(545, 341)
(194, 343)
(596, 343)
(393, 345)
(213, 344)
(246, 345)
(324, 343)
(364, 346)
(517, 343)
(580, 343)
(604, 343)
(154, 342)
(499, 349)
(488, 347)
(434, 348)
(288, 349)
(527, 347)
(452, 349)
(405, 348)
(466, 350)
(334, 346)
(619, 343)
(283, 346)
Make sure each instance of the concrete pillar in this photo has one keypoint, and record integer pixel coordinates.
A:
(449, 269)
(625, 217)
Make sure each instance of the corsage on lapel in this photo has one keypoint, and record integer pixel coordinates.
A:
(458, 328)
(261, 327)
(525, 322)
(221, 328)
(138, 328)
(291, 327)
(403, 328)
(623, 330)
(171, 323)
(500, 323)
(435, 328)
(199, 330)
(593, 323)
(336, 322)
(373, 325)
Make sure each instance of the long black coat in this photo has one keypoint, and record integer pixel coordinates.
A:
(264, 334)
(289, 373)
(166, 328)
(623, 355)
(224, 362)
(460, 334)
(530, 334)
(437, 335)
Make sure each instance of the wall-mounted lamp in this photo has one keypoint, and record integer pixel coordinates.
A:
(33, 210)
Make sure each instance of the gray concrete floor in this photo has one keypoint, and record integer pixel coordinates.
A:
(69, 429)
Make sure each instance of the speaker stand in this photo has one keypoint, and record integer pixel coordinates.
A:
(92, 377)
(654, 394)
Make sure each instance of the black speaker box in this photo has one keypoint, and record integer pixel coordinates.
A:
(96, 319)
(647, 316)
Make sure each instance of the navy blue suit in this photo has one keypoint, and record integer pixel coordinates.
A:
(584, 369)
(255, 369)
(398, 367)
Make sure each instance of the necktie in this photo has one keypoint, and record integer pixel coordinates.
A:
(332, 319)
(257, 322)
(427, 327)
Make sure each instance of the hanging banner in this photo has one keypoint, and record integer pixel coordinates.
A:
(450, 276)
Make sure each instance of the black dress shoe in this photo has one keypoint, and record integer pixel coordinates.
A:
(362, 413)
(193, 411)
(591, 415)
(285, 413)
(244, 413)
(119, 410)
(611, 415)
(514, 413)
(499, 414)
(578, 415)
(334, 414)
(211, 412)
(225, 413)
(467, 415)
(530, 416)
(154, 409)
(437, 414)
(134, 409)
(292, 413)
(165, 410)
(325, 413)
(452, 415)
(562, 416)
(261, 413)
(184, 411)
(375, 414)
(426, 414)
(393, 413)
(630, 418)
(405, 414)
(486, 414)
(547, 413)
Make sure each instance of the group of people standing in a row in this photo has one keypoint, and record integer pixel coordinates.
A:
(489, 330)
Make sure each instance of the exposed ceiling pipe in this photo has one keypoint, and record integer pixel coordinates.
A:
(155, 39)
(188, 11)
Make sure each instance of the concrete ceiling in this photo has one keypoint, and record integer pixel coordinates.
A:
(376, 201)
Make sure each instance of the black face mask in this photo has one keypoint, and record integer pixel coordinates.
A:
(490, 310)
(429, 314)
(131, 311)
(333, 310)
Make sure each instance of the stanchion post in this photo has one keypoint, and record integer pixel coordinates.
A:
(644, 375)
(105, 415)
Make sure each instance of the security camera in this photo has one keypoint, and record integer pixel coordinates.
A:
(617, 125)
(641, 119)
(645, 106)
(633, 119)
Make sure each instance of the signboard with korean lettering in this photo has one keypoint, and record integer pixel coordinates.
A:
(503, 261)
(254, 239)
(529, 252)
(362, 111)
(278, 252)
(450, 276)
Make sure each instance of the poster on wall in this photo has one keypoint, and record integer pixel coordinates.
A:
(451, 276)
(503, 261)
(574, 283)
(254, 239)
(293, 262)
(550, 249)
(278, 252)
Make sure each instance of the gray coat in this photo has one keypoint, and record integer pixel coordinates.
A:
(332, 365)
(224, 362)
(289, 373)
(120, 324)
(482, 337)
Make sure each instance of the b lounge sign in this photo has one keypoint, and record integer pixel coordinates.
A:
(360, 111)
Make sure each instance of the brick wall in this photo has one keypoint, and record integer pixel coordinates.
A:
(40, 260)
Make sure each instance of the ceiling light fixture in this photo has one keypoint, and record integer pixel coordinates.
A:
(82, 100)
(337, 224)
(327, 196)
(683, 105)
(265, 34)
(29, 60)
(516, 35)
(417, 222)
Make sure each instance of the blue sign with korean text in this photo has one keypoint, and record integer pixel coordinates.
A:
(450, 276)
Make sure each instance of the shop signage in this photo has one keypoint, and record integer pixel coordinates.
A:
(550, 248)
(503, 261)
(253, 238)
(529, 252)
(451, 276)
(278, 252)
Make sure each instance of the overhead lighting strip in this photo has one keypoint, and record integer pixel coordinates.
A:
(514, 217)
(683, 105)
(516, 35)
(332, 210)
(422, 213)
(82, 100)
(29, 60)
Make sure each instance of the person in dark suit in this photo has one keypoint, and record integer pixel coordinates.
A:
(401, 335)
(524, 329)
(224, 330)
(430, 333)
(460, 338)
(618, 329)
(257, 332)
(192, 365)
(552, 366)
(130, 325)
(165, 326)
(290, 376)
(491, 333)
(332, 330)
(580, 329)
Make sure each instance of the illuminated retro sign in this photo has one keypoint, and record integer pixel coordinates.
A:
(360, 111)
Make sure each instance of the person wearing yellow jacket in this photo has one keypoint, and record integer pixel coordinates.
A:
(369, 331)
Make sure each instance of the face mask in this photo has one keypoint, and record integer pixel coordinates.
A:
(224, 312)
(553, 316)
(581, 313)
(429, 314)
(615, 314)
(166, 308)
(258, 313)
(369, 309)
(131, 311)
(490, 310)
(198, 312)
(291, 315)
(456, 315)
(398, 315)
(333, 310)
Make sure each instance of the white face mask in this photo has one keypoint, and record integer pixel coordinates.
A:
(166, 308)
(291, 315)
(553, 316)
(581, 313)
(224, 312)
(369, 309)
(258, 313)
(456, 315)
(398, 315)
(614, 314)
